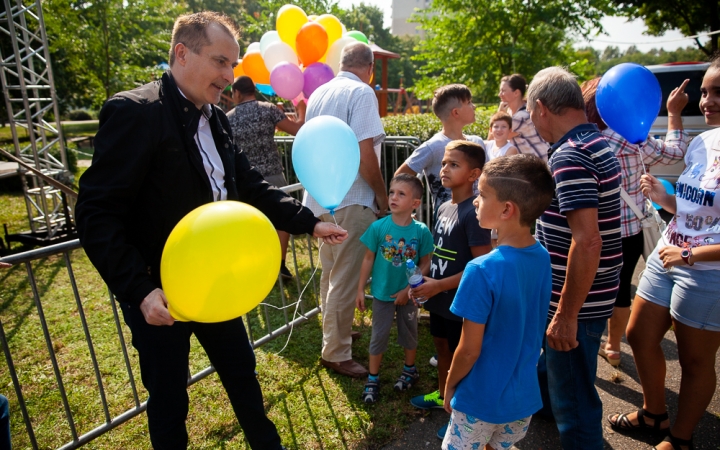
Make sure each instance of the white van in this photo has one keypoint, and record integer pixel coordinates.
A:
(670, 76)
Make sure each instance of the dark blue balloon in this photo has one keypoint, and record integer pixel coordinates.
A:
(628, 99)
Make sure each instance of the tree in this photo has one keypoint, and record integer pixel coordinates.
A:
(691, 17)
(102, 47)
(475, 42)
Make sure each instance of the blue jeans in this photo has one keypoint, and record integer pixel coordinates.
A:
(567, 384)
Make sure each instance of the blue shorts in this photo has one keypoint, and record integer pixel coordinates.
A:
(691, 295)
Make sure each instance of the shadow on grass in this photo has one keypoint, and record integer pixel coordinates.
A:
(332, 413)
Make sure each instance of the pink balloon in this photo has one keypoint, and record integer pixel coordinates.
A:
(287, 80)
(298, 99)
(316, 75)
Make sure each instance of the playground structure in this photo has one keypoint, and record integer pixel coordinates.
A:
(29, 93)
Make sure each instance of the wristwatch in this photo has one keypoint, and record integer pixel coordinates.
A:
(685, 254)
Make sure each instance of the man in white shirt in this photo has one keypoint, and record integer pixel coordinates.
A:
(349, 98)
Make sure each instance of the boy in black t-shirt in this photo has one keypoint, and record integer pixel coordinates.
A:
(458, 239)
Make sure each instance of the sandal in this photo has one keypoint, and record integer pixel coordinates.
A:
(371, 393)
(406, 380)
(611, 356)
(622, 422)
(677, 443)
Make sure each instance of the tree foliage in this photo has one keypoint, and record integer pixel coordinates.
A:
(689, 16)
(104, 46)
(476, 42)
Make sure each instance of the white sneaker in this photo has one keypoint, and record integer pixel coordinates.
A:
(433, 361)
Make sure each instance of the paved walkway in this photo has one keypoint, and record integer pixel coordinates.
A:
(619, 390)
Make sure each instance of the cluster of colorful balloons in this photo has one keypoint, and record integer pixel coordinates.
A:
(302, 54)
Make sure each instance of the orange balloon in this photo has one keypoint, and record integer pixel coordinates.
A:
(254, 67)
(238, 70)
(311, 43)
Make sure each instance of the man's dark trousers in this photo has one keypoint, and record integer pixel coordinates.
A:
(164, 355)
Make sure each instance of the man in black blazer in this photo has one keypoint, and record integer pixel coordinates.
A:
(162, 150)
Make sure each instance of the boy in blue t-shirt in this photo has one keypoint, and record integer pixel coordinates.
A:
(458, 239)
(391, 241)
(503, 299)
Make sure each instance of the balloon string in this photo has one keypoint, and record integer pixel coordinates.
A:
(296, 304)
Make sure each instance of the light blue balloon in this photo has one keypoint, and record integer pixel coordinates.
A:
(265, 89)
(326, 159)
(669, 188)
(267, 39)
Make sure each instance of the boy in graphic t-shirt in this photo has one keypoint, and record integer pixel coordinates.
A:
(458, 239)
(391, 242)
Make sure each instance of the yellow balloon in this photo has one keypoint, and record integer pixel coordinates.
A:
(290, 19)
(333, 27)
(219, 262)
(312, 17)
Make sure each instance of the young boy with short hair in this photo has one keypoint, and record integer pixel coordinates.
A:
(452, 104)
(500, 126)
(503, 299)
(391, 242)
(458, 239)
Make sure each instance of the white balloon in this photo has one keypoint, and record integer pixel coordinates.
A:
(267, 39)
(254, 47)
(278, 52)
(335, 51)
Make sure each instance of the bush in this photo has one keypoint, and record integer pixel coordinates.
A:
(424, 126)
(79, 114)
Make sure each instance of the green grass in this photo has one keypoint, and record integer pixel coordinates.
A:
(70, 130)
(312, 407)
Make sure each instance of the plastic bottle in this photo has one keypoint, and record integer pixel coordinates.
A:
(415, 279)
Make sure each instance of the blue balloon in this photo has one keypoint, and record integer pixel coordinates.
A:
(628, 99)
(669, 188)
(265, 89)
(326, 159)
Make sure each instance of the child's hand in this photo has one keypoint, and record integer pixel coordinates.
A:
(360, 301)
(449, 392)
(428, 289)
(401, 297)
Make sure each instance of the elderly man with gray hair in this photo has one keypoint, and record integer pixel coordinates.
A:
(349, 98)
(581, 231)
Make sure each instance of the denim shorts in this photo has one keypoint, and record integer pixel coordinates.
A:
(691, 295)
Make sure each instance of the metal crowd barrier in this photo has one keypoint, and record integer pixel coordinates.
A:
(263, 324)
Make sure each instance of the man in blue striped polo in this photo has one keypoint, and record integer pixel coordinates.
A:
(581, 231)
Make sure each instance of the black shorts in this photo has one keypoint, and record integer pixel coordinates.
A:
(443, 328)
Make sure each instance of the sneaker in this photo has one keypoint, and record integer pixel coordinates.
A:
(442, 431)
(285, 273)
(406, 380)
(428, 401)
(433, 361)
(371, 393)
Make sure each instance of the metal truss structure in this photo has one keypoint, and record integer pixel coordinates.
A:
(29, 93)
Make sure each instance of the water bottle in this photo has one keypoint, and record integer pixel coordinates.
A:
(415, 279)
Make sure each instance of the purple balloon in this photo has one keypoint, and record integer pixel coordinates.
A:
(287, 80)
(316, 74)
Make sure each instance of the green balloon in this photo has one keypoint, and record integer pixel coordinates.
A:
(358, 36)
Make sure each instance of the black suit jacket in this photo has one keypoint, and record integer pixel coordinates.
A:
(147, 174)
